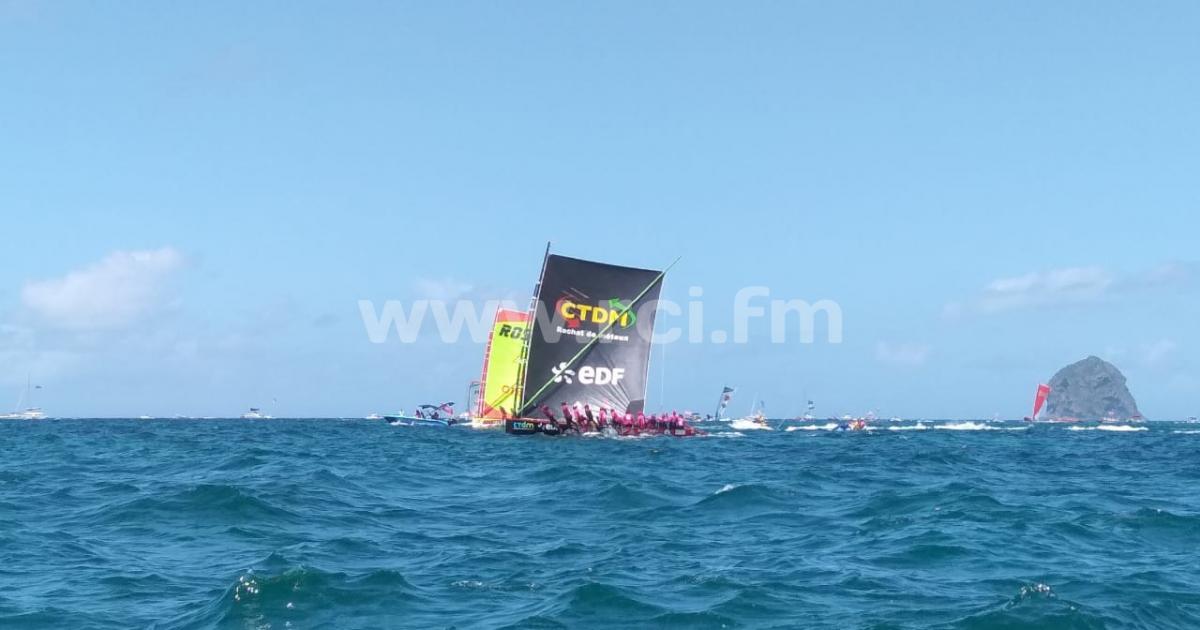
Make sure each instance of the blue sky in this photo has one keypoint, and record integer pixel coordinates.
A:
(195, 198)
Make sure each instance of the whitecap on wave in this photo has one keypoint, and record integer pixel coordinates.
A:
(748, 425)
(964, 426)
(1119, 428)
(976, 426)
(814, 427)
(910, 427)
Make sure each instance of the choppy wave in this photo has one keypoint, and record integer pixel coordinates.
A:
(749, 425)
(829, 426)
(725, 434)
(348, 524)
(978, 426)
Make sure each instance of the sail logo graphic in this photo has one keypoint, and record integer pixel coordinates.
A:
(562, 374)
(588, 375)
(615, 312)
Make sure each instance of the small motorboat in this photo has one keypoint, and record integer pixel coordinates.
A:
(426, 416)
(756, 422)
(411, 421)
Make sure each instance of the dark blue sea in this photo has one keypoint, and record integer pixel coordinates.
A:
(357, 524)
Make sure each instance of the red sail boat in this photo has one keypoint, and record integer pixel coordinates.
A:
(1039, 399)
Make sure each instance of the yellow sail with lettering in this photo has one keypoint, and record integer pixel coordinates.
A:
(501, 368)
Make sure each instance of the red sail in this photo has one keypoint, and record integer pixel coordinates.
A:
(1042, 392)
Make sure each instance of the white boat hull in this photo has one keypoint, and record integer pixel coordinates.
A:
(28, 414)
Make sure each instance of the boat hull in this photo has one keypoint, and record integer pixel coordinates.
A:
(525, 426)
(32, 414)
(409, 421)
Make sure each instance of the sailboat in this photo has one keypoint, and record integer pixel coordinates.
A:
(756, 420)
(588, 345)
(496, 397)
(28, 413)
(808, 413)
(1039, 400)
(726, 396)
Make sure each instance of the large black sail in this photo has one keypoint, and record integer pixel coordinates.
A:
(590, 341)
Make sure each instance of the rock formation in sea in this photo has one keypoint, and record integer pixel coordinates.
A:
(1090, 389)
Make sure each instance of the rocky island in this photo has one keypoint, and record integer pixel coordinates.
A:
(1091, 389)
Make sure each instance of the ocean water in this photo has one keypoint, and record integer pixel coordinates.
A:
(357, 524)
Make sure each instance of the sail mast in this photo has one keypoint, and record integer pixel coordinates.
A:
(662, 354)
(24, 394)
(523, 364)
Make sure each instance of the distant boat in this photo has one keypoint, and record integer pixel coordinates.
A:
(409, 421)
(808, 414)
(374, 416)
(255, 414)
(32, 413)
(756, 419)
(426, 416)
(28, 413)
(1039, 399)
(752, 423)
(723, 403)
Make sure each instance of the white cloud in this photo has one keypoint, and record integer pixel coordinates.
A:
(905, 354)
(1057, 286)
(1066, 286)
(114, 292)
